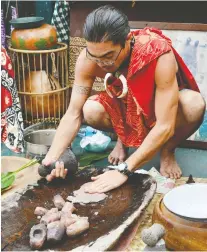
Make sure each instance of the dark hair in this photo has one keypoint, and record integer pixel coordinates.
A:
(106, 24)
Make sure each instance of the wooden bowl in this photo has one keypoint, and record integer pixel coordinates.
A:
(23, 178)
(181, 234)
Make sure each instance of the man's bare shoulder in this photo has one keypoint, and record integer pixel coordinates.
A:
(86, 67)
(166, 68)
(167, 59)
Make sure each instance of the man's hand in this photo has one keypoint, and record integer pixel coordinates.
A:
(58, 172)
(106, 182)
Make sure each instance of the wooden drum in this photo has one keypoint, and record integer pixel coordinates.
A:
(181, 233)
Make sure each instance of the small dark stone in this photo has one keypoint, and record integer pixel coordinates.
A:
(43, 171)
(190, 180)
(69, 160)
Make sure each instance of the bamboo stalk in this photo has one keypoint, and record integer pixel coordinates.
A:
(58, 59)
(66, 68)
(15, 73)
(63, 93)
(62, 61)
(47, 71)
(34, 62)
(30, 86)
(48, 99)
(54, 106)
(42, 87)
(18, 71)
(25, 102)
(49, 92)
(59, 104)
(37, 108)
(23, 71)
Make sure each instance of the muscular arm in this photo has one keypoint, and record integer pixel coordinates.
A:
(71, 121)
(166, 104)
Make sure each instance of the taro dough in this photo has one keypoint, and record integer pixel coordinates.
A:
(80, 196)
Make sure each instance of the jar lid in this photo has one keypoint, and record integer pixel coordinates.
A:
(27, 22)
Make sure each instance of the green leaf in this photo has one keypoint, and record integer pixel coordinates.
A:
(3, 174)
(7, 180)
(30, 163)
(91, 157)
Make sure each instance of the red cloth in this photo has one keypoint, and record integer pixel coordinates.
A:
(134, 116)
(11, 115)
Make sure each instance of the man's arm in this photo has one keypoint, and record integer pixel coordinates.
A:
(166, 105)
(71, 121)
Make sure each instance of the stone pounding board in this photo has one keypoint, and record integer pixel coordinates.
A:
(108, 218)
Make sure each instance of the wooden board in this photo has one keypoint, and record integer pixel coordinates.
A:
(28, 175)
(168, 26)
(115, 213)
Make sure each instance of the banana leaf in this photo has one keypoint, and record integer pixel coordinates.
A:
(7, 180)
(90, 157)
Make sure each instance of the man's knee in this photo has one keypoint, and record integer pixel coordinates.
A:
(93, 112)
(193, 105)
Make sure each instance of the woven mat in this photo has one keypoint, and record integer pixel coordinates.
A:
(77, 44)
(146, 220)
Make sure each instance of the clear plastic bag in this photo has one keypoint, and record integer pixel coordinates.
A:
(95, 143)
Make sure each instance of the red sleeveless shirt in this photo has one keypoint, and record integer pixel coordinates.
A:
(133, 116)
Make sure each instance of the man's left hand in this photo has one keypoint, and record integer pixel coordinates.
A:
(106, 182)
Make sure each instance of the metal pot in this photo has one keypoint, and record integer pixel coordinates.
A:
(37, 143)
(38, 139)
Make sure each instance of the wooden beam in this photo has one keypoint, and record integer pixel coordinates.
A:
(168, 26)
(191, 144)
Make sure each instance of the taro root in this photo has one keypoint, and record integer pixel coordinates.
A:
(68, 208)
(55, 231)
(58, 201)
(50, 216)
(78, 227)
(38, 234)
(40, 211)
(46, 219)
(68, 220)
(53, 210)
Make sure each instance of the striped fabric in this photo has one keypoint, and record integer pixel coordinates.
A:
(60, 20)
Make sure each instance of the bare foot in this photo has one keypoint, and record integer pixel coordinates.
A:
(168, 165)
(119, 153)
